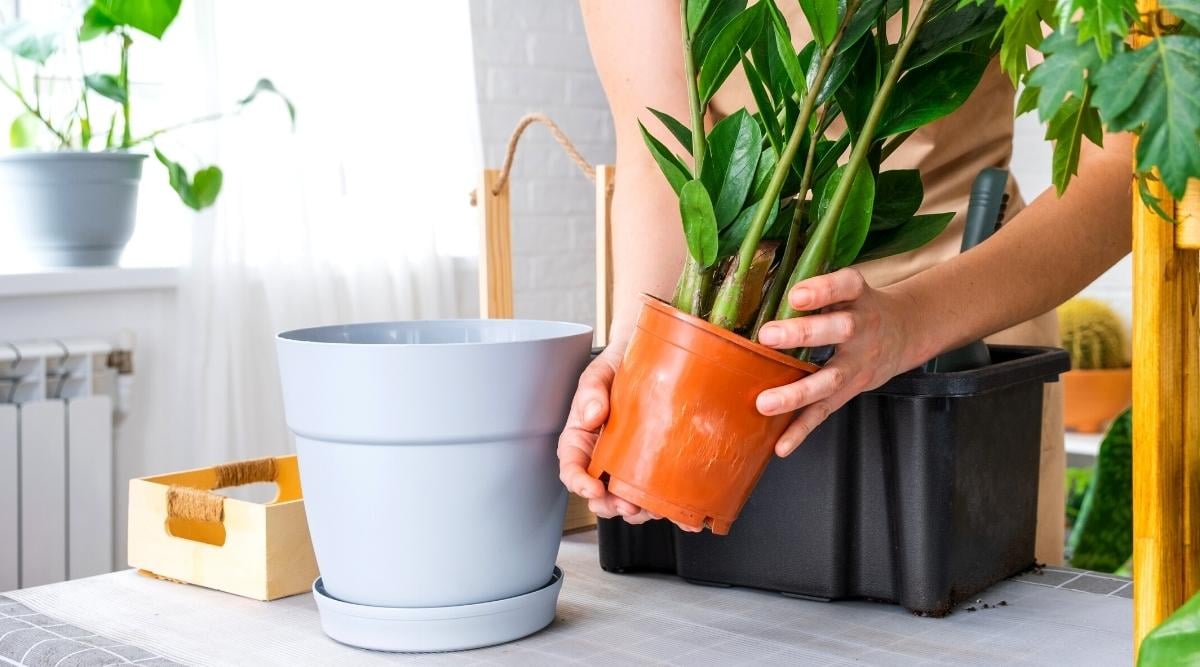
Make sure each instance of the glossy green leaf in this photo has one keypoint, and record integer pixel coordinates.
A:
(198, 192)
(1151, 201)
(918, 231)
(766, 115)
(696, 11)
(731, 238)
(1020, 31)
(822, 18)
(828, 153)
(932, 91)
(30, 41)
(672, 167)
(734, 149)
(727, 48)
(763, 173)
(699, 223)
(23, 133)
(1064, 71)
(787, 52)
(855, 219)
(1153, 91)
(1176, 640)
(152, 17)
(95, 24)
(718, 16)
(677, 129)
(898, 195)
(839, 69)
(265, 86)
(858, 91)
(1028, 101)
(863, 20)
(1099, 22)
(954, 29)
(108, 86)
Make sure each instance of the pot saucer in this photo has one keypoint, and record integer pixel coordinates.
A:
(433, 629)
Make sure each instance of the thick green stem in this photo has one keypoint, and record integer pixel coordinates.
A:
(816, 253)
(699, 139)
(791, 251)
(729, 298)
(695, 281)
(123, 82)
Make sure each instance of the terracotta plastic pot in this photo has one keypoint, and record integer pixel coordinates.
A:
(684, 438)
(1094, 397)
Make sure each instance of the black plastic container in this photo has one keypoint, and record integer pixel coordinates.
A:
(922, 492)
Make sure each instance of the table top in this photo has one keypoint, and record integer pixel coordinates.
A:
(1059, 616)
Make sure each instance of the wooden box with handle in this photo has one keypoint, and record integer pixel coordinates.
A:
(180, 530)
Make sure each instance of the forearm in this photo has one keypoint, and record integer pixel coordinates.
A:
(1042, 257)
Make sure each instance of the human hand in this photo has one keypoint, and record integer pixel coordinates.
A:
(871, 333)
(589, 411)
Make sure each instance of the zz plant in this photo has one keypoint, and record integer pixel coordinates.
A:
(100, 116)
(771, 198)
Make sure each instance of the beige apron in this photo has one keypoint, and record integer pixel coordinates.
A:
(949, 154)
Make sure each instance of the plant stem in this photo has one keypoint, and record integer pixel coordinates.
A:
(63, 139)
(123, 81)
(816, 253)
(695, 280)
(207, 118)
(728, 304)
(85, 121)
(791, 250)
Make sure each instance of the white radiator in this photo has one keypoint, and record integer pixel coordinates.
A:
(56, 461)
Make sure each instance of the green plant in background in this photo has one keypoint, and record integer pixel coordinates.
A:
(1092, 80)
(1102, 537)
(1092, 333)
(1078, 481)
(101, 117)
(767, 199)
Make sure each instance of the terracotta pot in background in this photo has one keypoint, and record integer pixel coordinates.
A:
(1095, 397)
(684, 438)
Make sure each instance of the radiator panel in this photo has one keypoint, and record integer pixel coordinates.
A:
(43, 492)
(89, 486)
(9, 494)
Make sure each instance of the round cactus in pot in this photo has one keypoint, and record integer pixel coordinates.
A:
(1100, 383)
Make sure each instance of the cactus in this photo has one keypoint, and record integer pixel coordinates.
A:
(1092, 333)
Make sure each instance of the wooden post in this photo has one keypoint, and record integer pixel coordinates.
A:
(495, 253)
(1166, 404)
(605, 174)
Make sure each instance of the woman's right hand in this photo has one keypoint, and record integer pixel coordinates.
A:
(589, 411)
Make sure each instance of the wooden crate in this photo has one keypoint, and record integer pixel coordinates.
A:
(260, 551)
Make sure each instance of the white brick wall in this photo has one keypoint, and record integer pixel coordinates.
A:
(532, 55)
(1031, 168)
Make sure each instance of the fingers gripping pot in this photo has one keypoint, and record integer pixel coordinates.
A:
(684, 438)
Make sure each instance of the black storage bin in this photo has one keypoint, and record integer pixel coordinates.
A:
(922, 492)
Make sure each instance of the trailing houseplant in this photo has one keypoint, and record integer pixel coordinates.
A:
(75, 185)
(769, 198)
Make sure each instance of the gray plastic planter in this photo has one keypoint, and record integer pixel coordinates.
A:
(71, 208)
(427, 458)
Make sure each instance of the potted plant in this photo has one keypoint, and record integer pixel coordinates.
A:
(71, 188)
(1100, 382)
(920, 492)
(768, 200)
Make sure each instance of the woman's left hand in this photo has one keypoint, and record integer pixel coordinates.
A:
(872, 336)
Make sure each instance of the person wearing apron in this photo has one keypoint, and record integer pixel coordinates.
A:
(636, 47)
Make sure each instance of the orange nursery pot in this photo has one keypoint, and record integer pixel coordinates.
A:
(1094, 397)
(684, 438)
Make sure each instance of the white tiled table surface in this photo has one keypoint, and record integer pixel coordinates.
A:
(1054, 618)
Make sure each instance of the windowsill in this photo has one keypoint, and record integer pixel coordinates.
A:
(81, 280)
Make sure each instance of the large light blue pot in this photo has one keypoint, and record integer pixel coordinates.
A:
(71, 208)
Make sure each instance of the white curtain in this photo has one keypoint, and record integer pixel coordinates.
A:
(348, 218)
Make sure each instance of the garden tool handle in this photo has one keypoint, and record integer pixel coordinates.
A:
(185, 502)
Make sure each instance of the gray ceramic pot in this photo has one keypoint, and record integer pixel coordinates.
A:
(427, 454)
(71, 208)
